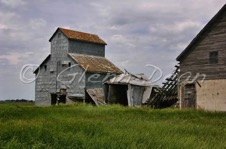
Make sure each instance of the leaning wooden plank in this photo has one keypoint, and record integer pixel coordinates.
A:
(97, 95)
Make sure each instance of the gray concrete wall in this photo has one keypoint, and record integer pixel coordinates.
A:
(86, 48)
(211, 95)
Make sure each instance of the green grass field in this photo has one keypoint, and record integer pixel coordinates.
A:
(85, 126)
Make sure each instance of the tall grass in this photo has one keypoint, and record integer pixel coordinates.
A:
(85, 126)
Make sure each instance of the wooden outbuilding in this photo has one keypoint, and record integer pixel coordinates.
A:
(202, 77)
(128, 89)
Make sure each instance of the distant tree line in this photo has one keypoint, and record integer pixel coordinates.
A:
(17, 100)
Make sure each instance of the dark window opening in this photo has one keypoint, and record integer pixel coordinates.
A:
(61, 99)
(213, 57)
(59, 35)
(69, 64)
(117, 94)
(53, 99)
(45, 67)
(56, 99)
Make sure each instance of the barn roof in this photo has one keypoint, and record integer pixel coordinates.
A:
(128, 78)
(95, 64)
(80, 36)
(200, 34)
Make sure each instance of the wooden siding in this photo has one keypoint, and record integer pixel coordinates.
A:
(80, 47)
(65, 72)
(197, 60)
(46, 82)
(96, 80)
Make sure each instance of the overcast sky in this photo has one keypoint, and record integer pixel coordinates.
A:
(137, 33)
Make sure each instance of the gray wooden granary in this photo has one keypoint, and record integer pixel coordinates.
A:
(75, 64)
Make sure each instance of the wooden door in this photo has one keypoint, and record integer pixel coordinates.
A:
(189, 96)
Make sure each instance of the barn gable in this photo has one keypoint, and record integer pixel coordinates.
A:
(206, 54)
(202, 33)
(45, 60)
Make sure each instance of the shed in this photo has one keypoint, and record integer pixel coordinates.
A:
(128, 89)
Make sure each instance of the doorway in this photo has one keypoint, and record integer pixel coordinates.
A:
(117, 94)
(189, 96)
(61, 99)
(53, 99)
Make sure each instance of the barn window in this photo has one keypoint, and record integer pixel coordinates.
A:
(69, 64)
(59, 35)
(45, 67)
(213, 57)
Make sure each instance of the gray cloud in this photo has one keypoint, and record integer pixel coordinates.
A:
(13, 3)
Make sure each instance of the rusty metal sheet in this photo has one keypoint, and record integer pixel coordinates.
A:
(76, 35)
(96, 64)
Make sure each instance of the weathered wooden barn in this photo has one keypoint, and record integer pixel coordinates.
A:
(76, 63)
(202, 78)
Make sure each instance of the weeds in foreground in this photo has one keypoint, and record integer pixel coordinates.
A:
(86, 126)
